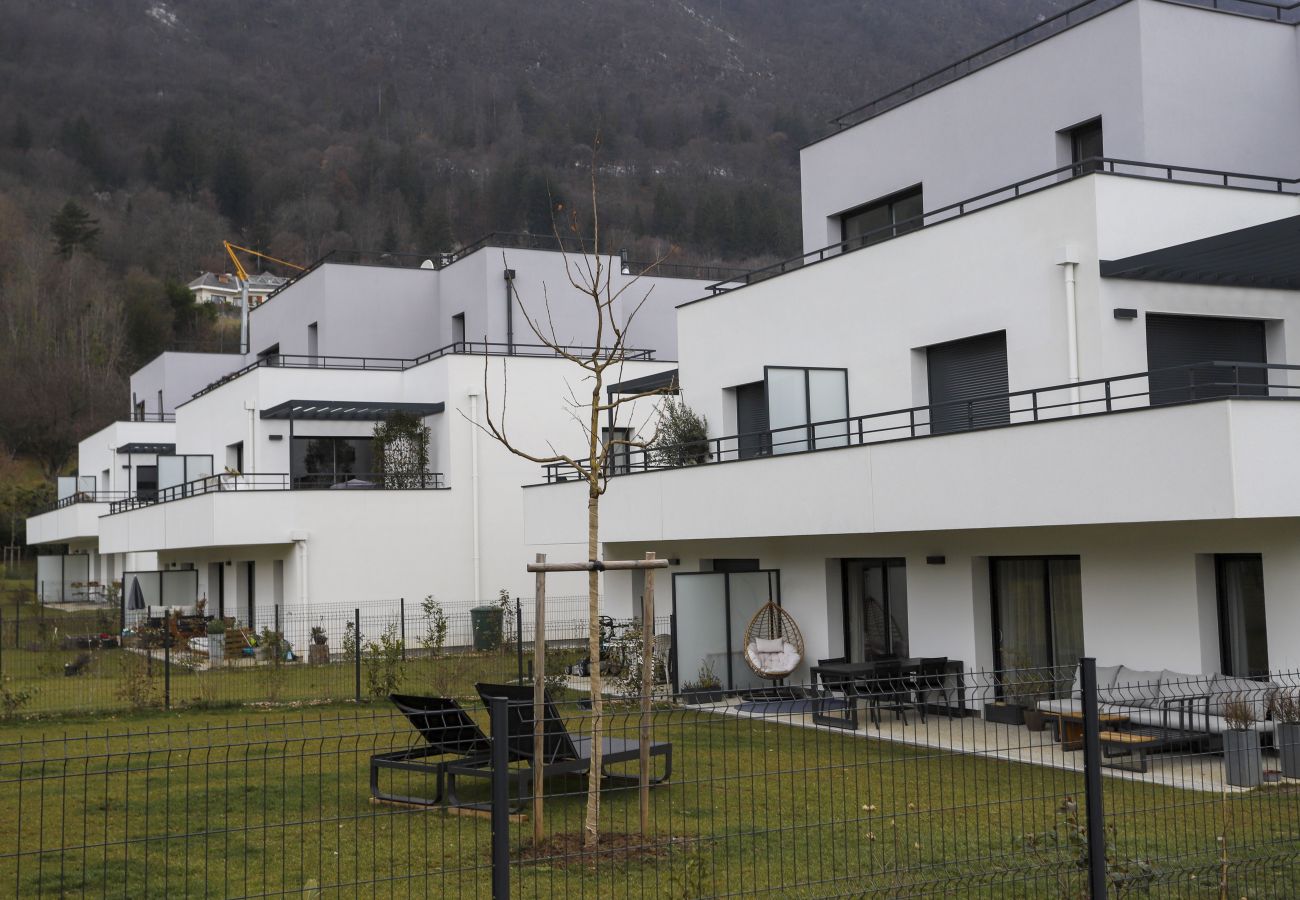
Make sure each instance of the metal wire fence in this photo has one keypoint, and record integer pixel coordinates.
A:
(54, 661)
(921, 783)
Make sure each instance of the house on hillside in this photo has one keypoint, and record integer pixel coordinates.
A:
(1023, 396)
(223, 289)
(254, 481)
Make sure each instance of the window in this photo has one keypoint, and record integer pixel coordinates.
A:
(968, 383)
(235, 457)
(751, 421)
(319, 462)
(1243, 630)
(618, 461)
(1086, 148)
(871, 223)
(458, 328)
(711, 611)
(146, 483)
(1037, 612)
(801, 397)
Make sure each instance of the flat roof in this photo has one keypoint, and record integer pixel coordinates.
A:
(144, 447)
(654, 382)
(1261, 256)
(348, 410)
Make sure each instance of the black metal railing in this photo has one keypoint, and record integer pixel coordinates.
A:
(399, 364)
(280, 481)
(1158, 387)
(1126, 168)
(83, 497)
(1286, 13)
(151, 417)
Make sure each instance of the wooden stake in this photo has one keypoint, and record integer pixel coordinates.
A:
(647, 686)
(539, 697)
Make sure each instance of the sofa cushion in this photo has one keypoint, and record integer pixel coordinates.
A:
(1132, 687)
(1105, 678)
(1224, 689)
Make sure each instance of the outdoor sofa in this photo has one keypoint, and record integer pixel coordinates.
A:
(1174, 701)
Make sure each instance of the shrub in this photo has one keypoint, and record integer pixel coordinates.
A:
(435, 633)
(385, 669)
(682, 438)
(11, 700)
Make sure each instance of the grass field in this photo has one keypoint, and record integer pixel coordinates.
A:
(234, 803)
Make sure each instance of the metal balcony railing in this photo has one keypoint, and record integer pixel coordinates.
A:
(281, 481)
(1126, 168)
(399, 364)
(1194, 383)
(84, 497)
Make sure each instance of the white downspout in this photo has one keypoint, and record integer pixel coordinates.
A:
(473, 430)
(250, 446)
(1069, 263)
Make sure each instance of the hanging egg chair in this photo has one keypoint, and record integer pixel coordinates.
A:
(773, 643)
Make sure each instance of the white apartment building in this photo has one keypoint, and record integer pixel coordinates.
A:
(1020, 400)
(250, 481)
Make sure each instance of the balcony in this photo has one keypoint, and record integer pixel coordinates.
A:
(254, 482)
(73, 518)
(1104, 451)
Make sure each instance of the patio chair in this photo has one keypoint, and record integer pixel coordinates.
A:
(931, 677)
(886, 689)
(447, 730)
(562, 753)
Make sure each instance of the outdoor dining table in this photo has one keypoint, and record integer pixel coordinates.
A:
(837, 673)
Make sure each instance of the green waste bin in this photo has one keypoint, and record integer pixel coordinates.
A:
(487, 623)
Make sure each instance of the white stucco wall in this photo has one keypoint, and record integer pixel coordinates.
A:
(178, 376)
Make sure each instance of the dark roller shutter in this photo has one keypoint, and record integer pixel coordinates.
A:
(1188, 341)
(960, 372)
(752, 421)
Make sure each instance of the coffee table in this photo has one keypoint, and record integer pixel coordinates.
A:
(1069, 727)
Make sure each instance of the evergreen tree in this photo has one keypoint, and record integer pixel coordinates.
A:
(180, 160)
(81, 141)
(540, 205)
(668, 215)
(20, 135)
(232, 185)
(72, 227)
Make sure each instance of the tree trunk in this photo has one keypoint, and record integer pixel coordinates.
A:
(592, 825)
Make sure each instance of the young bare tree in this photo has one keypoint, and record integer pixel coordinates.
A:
(591, 276)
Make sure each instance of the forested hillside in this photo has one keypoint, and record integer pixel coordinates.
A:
(300, 126)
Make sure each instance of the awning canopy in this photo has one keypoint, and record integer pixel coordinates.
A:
(657, 381)
(140, 447)
(348, 410)
(1261, 256)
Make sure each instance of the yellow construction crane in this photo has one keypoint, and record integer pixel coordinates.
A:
(239, 267)
(242, 274)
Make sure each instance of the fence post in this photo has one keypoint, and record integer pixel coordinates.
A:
(499, 716)
(356, 629)
(401, 612)
(277, 620)
(519, 641)
(1092, 780)
(167, 660)
(121, 602)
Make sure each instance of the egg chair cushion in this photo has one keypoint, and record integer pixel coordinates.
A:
(781, 661)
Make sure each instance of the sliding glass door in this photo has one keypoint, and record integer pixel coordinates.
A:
(1037, 612)
(875, 609)
(1243, 629)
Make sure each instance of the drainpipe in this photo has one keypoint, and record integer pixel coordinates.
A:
(243, 315)
(473, 431)
(510, 313)
(250, 446)
(299, 539)
(1069, 263)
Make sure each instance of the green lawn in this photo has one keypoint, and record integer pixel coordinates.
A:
(224, 802)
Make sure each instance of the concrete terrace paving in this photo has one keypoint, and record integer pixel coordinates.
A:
(971, 735)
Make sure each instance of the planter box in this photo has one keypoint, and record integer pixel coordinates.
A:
(318, 654)
(711, 695)
(1035, 720)
(1242, 764)
(1004, 714)
(1287, 736)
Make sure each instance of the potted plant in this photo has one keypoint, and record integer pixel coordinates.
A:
(1242, 764)
(1286, 719)
(319, 652)
(1010, 708)
(706, 688)
(216, 642)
